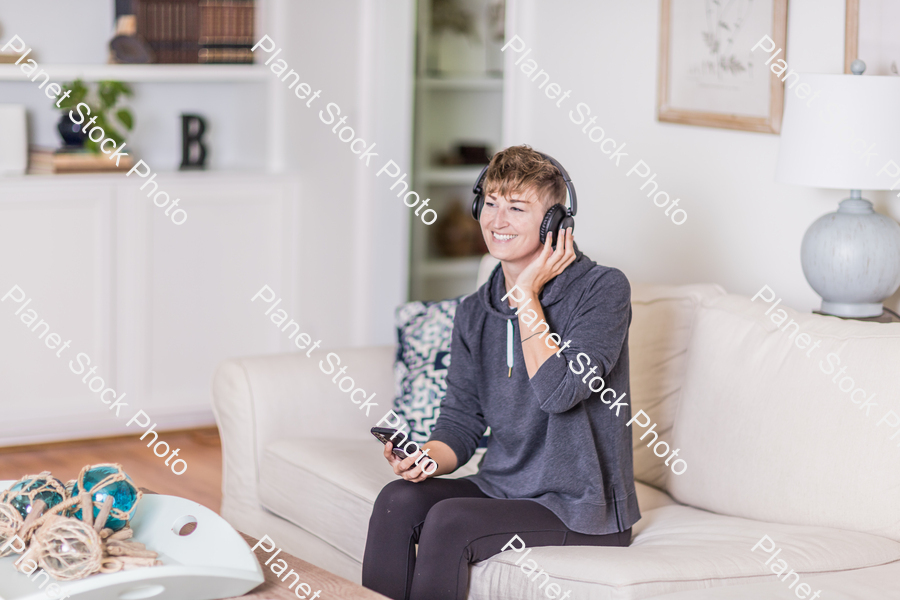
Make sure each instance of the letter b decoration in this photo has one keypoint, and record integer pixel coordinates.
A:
(193, 150)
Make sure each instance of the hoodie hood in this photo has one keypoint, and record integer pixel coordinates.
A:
(494, 289)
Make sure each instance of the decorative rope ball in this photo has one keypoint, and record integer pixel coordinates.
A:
(10, 522)
(30, 488)
(67, 548)
(108, 480)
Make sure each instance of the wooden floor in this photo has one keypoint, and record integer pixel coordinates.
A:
(200, 448)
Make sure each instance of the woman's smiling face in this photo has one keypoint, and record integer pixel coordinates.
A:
(511, 225)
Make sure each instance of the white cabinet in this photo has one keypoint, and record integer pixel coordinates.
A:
(153, 304)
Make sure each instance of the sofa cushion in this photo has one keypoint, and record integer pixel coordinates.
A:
(759, 414)
(680, 548)
(329, 490)
(874, 582)
(657, 348)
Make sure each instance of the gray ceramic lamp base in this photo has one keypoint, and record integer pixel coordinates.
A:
(851, 258)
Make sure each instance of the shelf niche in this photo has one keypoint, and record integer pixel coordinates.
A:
(451, 109)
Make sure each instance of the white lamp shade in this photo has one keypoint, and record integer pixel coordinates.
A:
(844, 136)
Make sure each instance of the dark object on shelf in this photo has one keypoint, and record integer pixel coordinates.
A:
(193, 150)
(197, 31)
(72, 134)
(131, 50)
(451, 15)
(466, 154)
(456, 234)
(171, 28)
(126, 47)
(124, 7)
(474, 155)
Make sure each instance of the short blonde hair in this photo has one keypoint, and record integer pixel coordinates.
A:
(519, 168)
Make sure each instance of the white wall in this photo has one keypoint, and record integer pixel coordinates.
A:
(79, 30)
(382, 242)
(743, 229)
(360, 54)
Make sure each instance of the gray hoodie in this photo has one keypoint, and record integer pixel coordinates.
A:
(552, 439)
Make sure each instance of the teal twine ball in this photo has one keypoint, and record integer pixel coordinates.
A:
(123, 493)
(21, 495)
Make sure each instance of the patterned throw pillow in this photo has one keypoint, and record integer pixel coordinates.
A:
(423, 357)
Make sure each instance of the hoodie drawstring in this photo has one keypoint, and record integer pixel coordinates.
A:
(509, 346)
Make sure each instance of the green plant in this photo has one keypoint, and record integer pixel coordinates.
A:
(103, 106)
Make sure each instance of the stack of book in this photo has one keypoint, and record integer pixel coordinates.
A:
(42, 161)
(197, 31)
(226, 31)
(171, 28)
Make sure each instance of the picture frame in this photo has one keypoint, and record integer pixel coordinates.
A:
(708, 74)
(869, 35)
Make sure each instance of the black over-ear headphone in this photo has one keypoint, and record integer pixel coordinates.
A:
(558, 217)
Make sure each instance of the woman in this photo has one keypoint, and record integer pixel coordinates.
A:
(558, 466)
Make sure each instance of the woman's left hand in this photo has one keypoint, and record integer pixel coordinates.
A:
(549, 263)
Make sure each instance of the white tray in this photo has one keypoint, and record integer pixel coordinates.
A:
(212, 562)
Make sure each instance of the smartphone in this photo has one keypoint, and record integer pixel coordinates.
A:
(384, 436)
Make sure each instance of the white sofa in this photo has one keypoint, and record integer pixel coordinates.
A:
(773, 447)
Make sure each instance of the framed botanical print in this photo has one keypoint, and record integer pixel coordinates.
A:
(709, 73)
(871, 35)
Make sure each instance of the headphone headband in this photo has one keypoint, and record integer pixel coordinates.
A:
(570, 188)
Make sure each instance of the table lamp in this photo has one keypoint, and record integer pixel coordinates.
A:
(845, 134)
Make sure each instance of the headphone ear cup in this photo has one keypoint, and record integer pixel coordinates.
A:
(552, 220)
(477, 205)
(569, 221)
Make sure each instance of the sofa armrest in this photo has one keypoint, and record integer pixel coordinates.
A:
(257, 400)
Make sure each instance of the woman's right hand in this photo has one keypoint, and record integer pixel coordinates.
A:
(407, 467)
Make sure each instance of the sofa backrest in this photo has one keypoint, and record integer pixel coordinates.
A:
(485, 267)
(779, 427)
(661, 321)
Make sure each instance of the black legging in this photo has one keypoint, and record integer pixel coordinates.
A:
(455, 524)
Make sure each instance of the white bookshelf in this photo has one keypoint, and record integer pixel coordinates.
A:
(145, 73)
(243, 105)
(450, 267)
(449, 175)
(156, 305)
(450, 109)
(487, 83)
